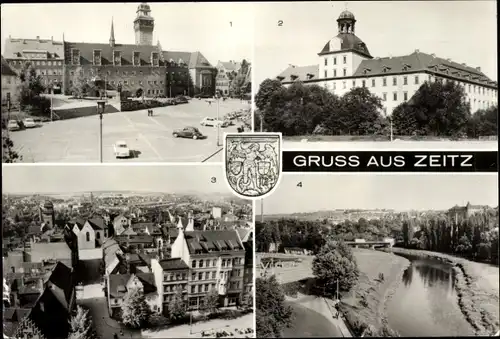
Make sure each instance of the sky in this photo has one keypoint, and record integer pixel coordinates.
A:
(464, 31)
(398, 192)
(221, 31)
(82, 178)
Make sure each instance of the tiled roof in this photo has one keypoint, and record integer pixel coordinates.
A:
(141, 226)
(212, 241)
(243, 233)
(14, 48)
(12, 318)
(118, 283)
(97, 223)
(173, 264)
(6, 69)
(302, 73)
(197, 60)
(79, 222)
(50, 316)
(143, 238)
(230, 66)
(110, 250)
(62, 277)
(148, 280)
(349, 42)
(52, 250)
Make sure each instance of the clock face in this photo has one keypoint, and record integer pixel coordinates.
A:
(335, 44)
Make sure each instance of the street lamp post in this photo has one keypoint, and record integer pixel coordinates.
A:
(392, 134)
(191, 322)
(218, 124)
(101, 104)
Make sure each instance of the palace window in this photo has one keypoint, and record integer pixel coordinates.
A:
(384, 96)
(405, 80)
(395, 96)
(334, 60)
(405, 96)
(326, 61)
(354, 83)
(345, 72)
(75, 57)
(155, 59)
(326, 73)
(334, 73)
(345, 59)
(136, 59)
(117, 58)
(363, 83)
(384, 81)
(394, 81)
(97, 57)
(373, 82)
(416, 80)
(344, 84)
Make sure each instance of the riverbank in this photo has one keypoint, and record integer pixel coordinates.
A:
(380, 274)
(477, 287)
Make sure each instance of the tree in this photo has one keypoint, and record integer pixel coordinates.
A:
(82, 86)
(464, 245)
(9, 155)
(335, 262)
(31, 85)
(437, 108)
(407, 233)
(272, 315)
(266, 90)
(80, 325)
(484, 123)
(135, 310)
(177, 307)
(210, 303)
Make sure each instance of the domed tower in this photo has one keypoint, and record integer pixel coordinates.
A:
(341, 56)
(144, 25)
(47, 214)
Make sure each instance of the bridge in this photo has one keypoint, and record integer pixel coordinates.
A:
(370, 244)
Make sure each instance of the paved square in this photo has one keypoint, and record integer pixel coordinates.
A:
(77, 140)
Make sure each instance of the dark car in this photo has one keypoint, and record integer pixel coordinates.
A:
(188, 132)
(180, 100)
(203, 96)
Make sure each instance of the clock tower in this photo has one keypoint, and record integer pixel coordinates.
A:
(144, 25)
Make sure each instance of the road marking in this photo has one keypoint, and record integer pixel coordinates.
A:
(150, 145)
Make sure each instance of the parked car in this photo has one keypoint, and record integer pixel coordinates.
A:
(188, 132)
(31, 123)
(213, 122)
(181, 100)
(203, 96)
(13, 125)
(170, 101)
(121, 149)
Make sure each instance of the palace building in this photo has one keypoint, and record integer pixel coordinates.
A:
(345, 63)
(140, 69)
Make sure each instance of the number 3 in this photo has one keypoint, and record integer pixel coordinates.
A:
(213, 180)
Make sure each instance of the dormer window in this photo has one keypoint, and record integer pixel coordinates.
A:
(181, 62)
(293, 77)
(280, 78)
(117, 58)
(406, 67)
(171, 62)
(136, 59)
(155, 59)
(385, 69)
(97, 57)
(309, 76)
(366, 70)
(75, 56)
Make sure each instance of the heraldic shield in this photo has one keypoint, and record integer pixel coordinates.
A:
(253, 163)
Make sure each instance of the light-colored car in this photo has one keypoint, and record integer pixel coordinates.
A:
(30, 123)
(213, 122)
(121, 149)
(13, 125)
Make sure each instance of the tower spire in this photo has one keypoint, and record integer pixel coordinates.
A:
(112, 36)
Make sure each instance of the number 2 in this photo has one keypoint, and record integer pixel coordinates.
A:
(280, 23)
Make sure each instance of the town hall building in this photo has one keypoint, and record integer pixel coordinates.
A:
(345, 63)
(143, 68)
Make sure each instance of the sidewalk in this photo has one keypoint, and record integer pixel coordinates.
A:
(339, 321)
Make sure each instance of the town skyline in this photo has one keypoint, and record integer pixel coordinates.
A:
(370, 192)
(306, 27)
(95, 178)
(193, 23)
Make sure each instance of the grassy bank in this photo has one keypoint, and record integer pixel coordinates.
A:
(477, 289)
(365, 305)
(322, 138)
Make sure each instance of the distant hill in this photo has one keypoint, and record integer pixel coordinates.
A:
(323, 214)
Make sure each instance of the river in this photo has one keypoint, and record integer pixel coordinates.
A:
(425, 302)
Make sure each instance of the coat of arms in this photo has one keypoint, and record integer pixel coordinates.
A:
(253, 163)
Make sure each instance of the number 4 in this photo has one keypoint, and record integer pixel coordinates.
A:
(299, 184)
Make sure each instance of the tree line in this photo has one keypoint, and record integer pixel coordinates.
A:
(436, 109)
(474, 237)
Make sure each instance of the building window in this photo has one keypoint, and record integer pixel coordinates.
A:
(125, 74)
(137, 59)
(97, 58)
(213, 274)
(125, 82)
(395, 96)
(193, 264)
(405, 80)
(87, 236)
(117, 58)
(354, 83)
(394, 81)
(344, 85)
(207, 275)
(384, 96)
(326, 61)
(75, 57)
(385, 110)
(200, 276)
(326, 73)
(334, 60)
(206, 288)
(405, 96)
(155, 60)
(363, 83)
(201, 263)
(416, 80)
(335, 73)
(373, 82)
(71, 73)
(98, 235)
(345, 59)
(384, 81)
(193, 289)
(345, 72)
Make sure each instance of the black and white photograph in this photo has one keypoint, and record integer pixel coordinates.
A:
(125, 252)
(377, 74)
(124, 82)
(374, 255)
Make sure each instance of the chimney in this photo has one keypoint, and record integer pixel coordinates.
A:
(38, 37)
(478, 69)
(417, 51)
(449, 60)
(433, 55)
(463, 64)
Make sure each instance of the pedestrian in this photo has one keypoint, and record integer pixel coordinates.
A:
(151, 112)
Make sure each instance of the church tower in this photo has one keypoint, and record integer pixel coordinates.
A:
(144, 25)
(112, 37)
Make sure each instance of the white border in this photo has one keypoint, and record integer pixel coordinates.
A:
(262, 134)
